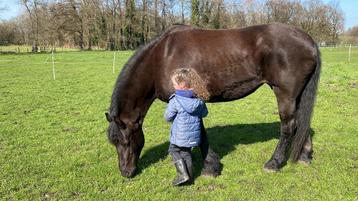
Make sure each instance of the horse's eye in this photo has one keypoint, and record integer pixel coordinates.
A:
(121, 126)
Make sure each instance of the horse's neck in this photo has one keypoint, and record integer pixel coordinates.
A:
(137, 95)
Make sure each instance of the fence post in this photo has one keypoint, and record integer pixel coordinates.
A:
(349, 53)
(114, 61)
(53, 67)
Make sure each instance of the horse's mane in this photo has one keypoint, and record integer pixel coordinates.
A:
(130, 67)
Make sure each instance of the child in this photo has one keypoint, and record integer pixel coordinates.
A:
(185, 110)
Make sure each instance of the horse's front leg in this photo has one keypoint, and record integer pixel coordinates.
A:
(211, 160)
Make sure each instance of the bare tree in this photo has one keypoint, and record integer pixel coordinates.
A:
(350, 36)
(125, 24)
(335, 21)
(32, 9)
(144, 22)
(353, 31)
(182, 11)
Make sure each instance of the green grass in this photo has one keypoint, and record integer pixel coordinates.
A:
(53, 143)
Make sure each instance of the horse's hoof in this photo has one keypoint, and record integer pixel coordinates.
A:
(270, 166)
(209, 173)
(305, 162)
(269, 170)
(211, 169)
(206, 175)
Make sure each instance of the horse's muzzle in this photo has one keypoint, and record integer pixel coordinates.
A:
(128, 172)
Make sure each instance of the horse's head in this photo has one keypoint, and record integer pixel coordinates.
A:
(127, 136)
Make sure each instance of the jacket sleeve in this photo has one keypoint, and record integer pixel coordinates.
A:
(171, 111)
(204, 110)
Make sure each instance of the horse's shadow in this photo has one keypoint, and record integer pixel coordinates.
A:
(222, 139)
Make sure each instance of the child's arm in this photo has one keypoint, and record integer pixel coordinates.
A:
(171, 111)
(204, 111)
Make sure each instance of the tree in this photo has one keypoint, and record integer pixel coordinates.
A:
(144, 22)
(206, 10)
(195, 12)
(353, 31)
(32, 9)
(281, 11)
(182, 11)
(125, 24)
(129, 24)
(351, 36)
(335, 21)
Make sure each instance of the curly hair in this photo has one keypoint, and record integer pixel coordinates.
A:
(191, 79)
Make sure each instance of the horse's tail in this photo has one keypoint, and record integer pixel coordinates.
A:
(305, 110)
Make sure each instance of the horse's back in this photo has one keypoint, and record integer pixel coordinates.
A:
(235, 62)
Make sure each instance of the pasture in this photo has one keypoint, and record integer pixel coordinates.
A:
(53, 143)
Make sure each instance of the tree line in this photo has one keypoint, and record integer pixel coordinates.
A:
(126, 24)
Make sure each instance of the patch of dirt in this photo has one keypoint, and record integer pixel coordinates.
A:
(355, 158)
(77, 113)
(48, 195)
(333, 87)
(70, 129)
(75, 194)
(353, 85)
(211, 187)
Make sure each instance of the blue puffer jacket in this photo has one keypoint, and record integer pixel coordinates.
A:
(186, 112)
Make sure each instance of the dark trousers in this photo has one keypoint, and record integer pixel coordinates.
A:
(181, 153)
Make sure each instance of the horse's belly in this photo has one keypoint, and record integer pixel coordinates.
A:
(233, 90)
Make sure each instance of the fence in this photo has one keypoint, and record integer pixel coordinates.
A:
(13, 49)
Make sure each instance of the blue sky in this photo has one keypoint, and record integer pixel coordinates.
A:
(349, 7)
(350, 10)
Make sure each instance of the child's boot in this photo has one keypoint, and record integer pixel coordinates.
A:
(182, 173)
(189, 167)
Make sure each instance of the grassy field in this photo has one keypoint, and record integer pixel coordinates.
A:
(53, 143)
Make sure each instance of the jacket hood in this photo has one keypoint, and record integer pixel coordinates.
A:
(185, 93)
(190, 105)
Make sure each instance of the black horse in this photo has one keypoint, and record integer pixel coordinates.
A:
(234, 63)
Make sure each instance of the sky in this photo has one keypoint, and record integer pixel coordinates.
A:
(349, 7)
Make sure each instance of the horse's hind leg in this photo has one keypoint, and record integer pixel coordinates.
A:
(287, 110)
(307, 151)
(211, 160)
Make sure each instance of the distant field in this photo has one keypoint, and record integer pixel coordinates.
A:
(27, 49)
(53, 143)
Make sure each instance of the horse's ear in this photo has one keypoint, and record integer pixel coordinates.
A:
(108, 117)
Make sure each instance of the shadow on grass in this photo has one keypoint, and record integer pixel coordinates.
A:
(152, 156)
(222, 140)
